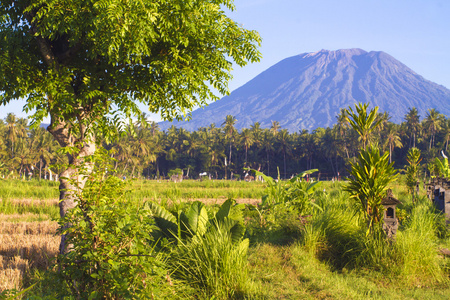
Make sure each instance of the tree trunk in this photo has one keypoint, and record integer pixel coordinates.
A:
(390, 153)
(40, 169)
(70, 181)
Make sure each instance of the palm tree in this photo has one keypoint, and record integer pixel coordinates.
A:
(392, 140)
(15, 129)
(329, 145)
(267, 144)
(432, 123)
(285, 146)
(141, 148)
(228, 128)
(275, 127)
(43, 145)
(154, 128)
(342, 127)
(412, 119)
(446, 132)
(363, 122)
(247, 140)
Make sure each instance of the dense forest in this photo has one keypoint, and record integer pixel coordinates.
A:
(222, 151)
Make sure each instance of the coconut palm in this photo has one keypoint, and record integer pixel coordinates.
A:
(43, 147)
(229, 130)
(267, 145)
(247, 141)
(342, 127)
(275, 127)
(432, 123)
(285, 146)
(15, 129)
(446, 132)
(412, 119)
(392, 140)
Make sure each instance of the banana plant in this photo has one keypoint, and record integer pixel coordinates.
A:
(294, 191)
(442, 166)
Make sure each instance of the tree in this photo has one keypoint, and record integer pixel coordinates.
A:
(15, 129)
(363, 122)
(285, 146)
(88, 64)
(275, 127)
(267, 144)
(247, 140)
(42, 147)
(432, 123)
(446, 132)
(342, 127)
(228, 128)
(392, 140)
(412, 119)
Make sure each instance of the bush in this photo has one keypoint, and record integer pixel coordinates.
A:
(208, 253)
(112, 254)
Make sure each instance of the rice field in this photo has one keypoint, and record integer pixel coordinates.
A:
(29, 210)
(283, 262)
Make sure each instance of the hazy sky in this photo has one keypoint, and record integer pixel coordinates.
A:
(416, 32)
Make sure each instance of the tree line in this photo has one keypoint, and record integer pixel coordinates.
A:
(222, 151)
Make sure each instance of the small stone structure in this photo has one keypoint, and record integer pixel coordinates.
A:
(390, 225)
(176, 178)
(438, 191)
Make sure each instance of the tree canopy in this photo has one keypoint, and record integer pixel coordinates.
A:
(84, 60)
(88, 63)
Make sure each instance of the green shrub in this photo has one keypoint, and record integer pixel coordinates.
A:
(112, 254)
(367, 184)
(208, 253)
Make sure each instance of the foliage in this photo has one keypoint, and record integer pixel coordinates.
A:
(412, 170)
(112, 254)
(210, 252)
(363, 122)
(293, 194)
(151, 151)
(176, 171)
(367, 184)
(442, 166)
(100, 58)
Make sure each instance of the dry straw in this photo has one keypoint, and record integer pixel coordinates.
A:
(23, 246)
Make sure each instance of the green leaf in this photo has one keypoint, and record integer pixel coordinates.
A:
(165, 221)
(196, 218)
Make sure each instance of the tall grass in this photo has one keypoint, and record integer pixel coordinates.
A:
(336, 234)
(416, 247)
(214, 265)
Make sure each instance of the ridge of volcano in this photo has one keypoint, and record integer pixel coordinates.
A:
(307, 91)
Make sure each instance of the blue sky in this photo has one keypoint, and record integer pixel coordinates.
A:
(416, 32)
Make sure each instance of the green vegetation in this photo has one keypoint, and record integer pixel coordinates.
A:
(152, 153)
(412, 171)
(87, 70)
(367, 185)
(323, 253)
